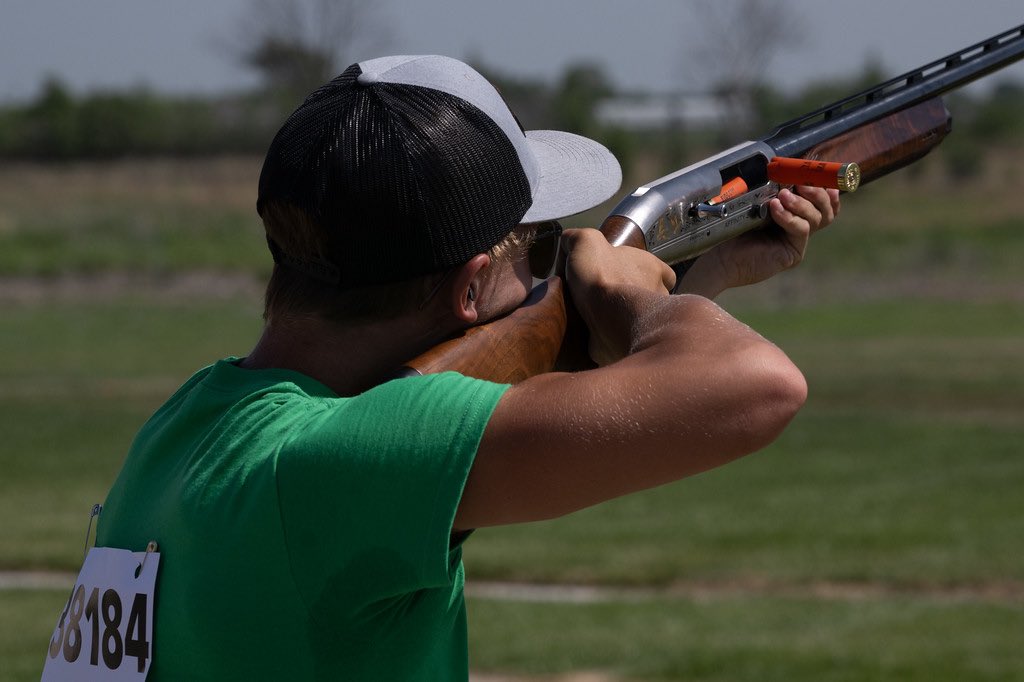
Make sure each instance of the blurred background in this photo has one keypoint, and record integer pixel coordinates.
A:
(881, 538)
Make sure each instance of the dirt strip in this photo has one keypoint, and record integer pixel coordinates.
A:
(1000, 592)
(36, 580)
(1006, 592)
(571, 677)
(794, 289)
(109, 286)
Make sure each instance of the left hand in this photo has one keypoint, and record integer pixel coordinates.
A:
(760, 254)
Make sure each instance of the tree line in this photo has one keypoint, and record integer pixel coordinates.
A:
(295, 45)
(58, 125)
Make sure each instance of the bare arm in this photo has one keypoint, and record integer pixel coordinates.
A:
(683, 388)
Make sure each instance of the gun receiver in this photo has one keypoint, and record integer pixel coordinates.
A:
(881, 129)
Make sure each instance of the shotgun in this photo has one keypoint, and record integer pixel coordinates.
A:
(682, 215)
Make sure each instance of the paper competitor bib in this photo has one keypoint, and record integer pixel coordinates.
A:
(105, 631)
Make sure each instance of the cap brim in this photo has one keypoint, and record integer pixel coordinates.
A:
(576, 173)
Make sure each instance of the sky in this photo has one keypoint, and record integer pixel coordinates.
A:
(643, 45)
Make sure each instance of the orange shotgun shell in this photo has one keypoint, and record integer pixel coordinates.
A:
(730, 190)
(841, 176)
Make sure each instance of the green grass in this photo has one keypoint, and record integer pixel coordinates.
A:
(77, 381)
(144, 239)
(160, 217)
(752, 639)
(906, 225)
(711, 639)
(26, 625)
(904, 468)
(911, 357)
(900, 478)
(150, 216)
(841, 497)
(122, 337)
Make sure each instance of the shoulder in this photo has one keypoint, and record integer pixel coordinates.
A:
(433, 392)
(403, 418)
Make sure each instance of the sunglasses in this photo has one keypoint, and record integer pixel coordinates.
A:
(543, 249)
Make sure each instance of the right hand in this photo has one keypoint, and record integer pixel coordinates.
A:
(611, 286)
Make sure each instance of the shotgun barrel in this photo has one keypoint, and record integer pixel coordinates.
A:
(934, 79)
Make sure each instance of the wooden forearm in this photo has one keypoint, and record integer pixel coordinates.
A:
(891, 143)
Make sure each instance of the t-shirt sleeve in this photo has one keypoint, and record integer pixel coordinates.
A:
(368, 491)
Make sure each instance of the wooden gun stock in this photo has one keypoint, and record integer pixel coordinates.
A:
(512, 348)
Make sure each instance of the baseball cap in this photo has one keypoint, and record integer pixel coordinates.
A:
(414, 164)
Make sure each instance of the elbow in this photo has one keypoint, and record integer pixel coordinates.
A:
(790, 392)
(777, 390)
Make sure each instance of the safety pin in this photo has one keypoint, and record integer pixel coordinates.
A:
(96, 509)
(150, 548)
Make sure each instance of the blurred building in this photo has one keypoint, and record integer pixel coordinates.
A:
(691, 111)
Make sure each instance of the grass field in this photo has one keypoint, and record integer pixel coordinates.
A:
(881, 538)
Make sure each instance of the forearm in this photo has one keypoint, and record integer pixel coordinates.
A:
(703, 278)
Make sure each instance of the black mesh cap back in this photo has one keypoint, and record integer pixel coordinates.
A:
(405, 180)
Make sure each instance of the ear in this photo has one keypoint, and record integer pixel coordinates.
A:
(464, 293)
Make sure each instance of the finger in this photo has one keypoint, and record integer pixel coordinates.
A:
(825, 200)
(795, 228)
(668, 277)
(822, 203)
(573, 236)
(650, 269)
(589, 255)
(585, 241)
(794, 214)
(565, 248)
(577, 249)
(833, 196)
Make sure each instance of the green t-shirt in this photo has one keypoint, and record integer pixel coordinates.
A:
(303, 535)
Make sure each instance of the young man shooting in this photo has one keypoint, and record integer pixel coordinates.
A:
(310, 508)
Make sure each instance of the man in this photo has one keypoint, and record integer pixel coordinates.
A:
(310, 508)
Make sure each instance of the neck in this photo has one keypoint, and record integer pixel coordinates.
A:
(348, 359)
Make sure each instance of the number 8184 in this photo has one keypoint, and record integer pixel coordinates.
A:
(68, 636)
